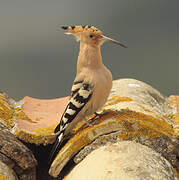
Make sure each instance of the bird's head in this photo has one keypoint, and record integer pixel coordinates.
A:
(89, 35)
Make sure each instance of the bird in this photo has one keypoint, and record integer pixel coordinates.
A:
(92, 84)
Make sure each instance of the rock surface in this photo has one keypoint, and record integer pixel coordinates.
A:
(134, 112)
(123, 160)
(38, 118)
(18, 160)
(6, 173)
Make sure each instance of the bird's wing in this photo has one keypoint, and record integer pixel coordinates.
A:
(80, 94)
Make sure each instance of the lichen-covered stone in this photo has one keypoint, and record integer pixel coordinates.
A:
(16, 155)
(123, 160)
(37, 118)
(6, 110)
(136, 112)
(6, 173)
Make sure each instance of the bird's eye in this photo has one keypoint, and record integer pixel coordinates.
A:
(91, 36)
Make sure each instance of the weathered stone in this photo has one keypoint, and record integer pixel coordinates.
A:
(6, 173)
(14, 149)
(6, 110)
(144, 98)
(37, 118)
(123, 160)
(136, 112)
(163, 145)
(9, 162)
(16, 155)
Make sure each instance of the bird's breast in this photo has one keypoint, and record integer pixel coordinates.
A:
(102, 88)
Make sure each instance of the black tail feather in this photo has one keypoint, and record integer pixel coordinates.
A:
(55, 148)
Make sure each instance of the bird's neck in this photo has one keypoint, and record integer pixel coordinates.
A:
(89, 56)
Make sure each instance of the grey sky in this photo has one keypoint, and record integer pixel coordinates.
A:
(38, 60)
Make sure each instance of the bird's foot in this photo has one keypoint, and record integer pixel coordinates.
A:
(94, 120)
(99, 115)
(88, 124)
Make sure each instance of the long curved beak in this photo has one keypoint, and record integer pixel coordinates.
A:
(104, 38)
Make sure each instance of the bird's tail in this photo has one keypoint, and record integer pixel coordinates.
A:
(56, 146)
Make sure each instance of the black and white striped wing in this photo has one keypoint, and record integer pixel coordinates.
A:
(80, 94)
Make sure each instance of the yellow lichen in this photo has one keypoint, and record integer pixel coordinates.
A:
(172, 100)
(65, 178)
(70, 148)
(128, 123)
(81, 124)
(19, 114)
(176, 172)
(2, 177)
(117, 99)
(151, 125)
(174, 103)
(6, 111)
(45, 131)
(175, 120)
(138, 122)
(78, 126)
(37, 137)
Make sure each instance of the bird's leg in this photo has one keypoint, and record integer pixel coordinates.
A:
(88, 124)
(98, 115)
(93, 121)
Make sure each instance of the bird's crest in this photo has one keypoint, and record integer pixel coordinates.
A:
(79, 29)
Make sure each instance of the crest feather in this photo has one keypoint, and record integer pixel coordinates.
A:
(79, 29)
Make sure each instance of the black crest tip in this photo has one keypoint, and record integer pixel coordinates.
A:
(64, 27)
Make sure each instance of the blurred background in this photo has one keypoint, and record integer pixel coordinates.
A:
(38, 60)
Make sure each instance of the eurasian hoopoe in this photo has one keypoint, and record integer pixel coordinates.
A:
(93, 80)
